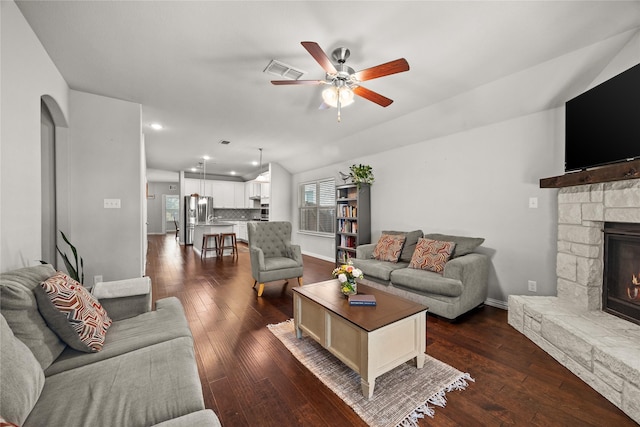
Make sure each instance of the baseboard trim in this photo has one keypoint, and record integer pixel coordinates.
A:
(322, 257)
(496, 303)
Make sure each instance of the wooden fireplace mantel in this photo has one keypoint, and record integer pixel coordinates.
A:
(609, 173)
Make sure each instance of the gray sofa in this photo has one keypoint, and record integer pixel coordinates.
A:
(461, 287)
(145, 374)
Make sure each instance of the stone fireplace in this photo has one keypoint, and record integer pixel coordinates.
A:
(621, 286)
(600, 348)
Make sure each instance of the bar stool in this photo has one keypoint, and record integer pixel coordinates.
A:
(233, 245)
(205, 244)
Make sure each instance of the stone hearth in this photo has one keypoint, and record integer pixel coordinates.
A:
(602, 349)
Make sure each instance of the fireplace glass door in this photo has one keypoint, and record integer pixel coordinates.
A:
(621, 287)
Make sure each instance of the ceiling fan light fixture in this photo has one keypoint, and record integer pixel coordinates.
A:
(332, 94)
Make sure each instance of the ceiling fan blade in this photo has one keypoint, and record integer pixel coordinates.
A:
(393, 67)
(297, 82)
(372, 96)
(318, 54)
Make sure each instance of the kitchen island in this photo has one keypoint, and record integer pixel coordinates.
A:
(215, 227)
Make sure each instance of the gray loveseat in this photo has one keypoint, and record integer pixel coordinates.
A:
(461, 287)
(145, 374)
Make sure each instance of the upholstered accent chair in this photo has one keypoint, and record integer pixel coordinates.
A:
(273, 257)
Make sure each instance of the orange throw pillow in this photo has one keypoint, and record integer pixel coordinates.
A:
(431, 255)
(389, 247)
(73, 313)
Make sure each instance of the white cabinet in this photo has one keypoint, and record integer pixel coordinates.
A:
(242, 231)
(265, 191)
(238, 195)
(223, 195)
(192, 186)
(254, 189)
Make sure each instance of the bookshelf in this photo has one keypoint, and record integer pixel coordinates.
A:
(353, 220)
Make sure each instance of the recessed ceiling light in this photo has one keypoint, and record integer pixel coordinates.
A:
(206, 157)
(193, 169)
(232, 172)
(254, 163)
(156, 126)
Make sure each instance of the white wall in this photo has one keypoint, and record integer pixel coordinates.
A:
(280, 197)
(105, 163)
(478, 183)
(475, 183)
(27, 73)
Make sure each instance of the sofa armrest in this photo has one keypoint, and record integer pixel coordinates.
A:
(124, 298)
(205, 417)
(472, 270)
(365, 251)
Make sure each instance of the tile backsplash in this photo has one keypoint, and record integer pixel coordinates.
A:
(237, 214)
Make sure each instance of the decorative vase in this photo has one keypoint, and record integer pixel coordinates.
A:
(350, 287)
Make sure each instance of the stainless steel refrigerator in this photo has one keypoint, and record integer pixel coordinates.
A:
(197, 210)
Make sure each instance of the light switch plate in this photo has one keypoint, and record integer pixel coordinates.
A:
(533, 202)
(112, 203)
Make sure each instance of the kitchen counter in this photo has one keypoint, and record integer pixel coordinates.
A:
(214, 227)
(216, 224)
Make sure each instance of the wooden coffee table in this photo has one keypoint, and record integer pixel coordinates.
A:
(371, 340)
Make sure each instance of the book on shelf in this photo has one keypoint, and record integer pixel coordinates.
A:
(361, 299)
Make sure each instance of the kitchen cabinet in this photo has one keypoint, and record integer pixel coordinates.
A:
(242, 231)
(238, 195)
(265, 191)
(223, 194)
(192, 186)
(254, 189)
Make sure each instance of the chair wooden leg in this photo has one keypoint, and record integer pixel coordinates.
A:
(299, 281)
(260, 289)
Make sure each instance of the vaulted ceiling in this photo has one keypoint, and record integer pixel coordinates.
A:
(197, 68)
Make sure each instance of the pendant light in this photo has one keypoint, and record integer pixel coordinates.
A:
(261, 176)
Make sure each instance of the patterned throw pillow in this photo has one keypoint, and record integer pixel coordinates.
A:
(431, 255)
(389, 247)
(73, 313)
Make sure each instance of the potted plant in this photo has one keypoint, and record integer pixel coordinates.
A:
(75, 273)
(361, 174)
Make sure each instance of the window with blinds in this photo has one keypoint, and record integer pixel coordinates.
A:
(317, 206)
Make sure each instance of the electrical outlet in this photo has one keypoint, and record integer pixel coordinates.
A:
(112, 203)
(533, 202)
(533, 286)
(97, 279)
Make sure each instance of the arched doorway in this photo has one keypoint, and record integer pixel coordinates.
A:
(51, 118)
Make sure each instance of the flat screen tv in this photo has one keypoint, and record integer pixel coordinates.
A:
(603, 123)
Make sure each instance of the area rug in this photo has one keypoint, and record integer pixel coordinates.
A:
(401, 396)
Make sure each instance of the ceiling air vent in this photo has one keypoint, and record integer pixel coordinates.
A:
(280, 69)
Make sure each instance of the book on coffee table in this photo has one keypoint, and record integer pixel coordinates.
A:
(362, 299)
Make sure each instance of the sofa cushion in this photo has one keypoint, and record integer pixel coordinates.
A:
(20, 309)
(140, 388)
(464, 245)
(21, 377)
(167, 322)
(377, 269)
(389, 247)
(409, 243)
(73, 313)
(426, 282)
(431, 255)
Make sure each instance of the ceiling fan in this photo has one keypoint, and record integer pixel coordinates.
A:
(343, 81)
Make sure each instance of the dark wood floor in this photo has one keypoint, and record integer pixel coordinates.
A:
(250, 379)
